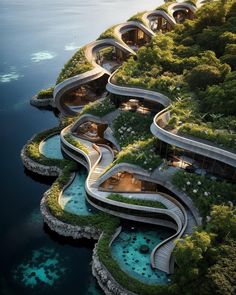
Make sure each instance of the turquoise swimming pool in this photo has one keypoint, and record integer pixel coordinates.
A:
(73, 199)
(132, 260)
(51, 147)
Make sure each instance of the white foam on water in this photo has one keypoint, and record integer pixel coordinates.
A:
(71, 47)
(42, 55)
(9, 77)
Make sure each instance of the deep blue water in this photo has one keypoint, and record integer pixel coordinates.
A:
(37, 38)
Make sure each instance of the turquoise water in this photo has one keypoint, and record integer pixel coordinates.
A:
(126, 251)
(73, 198)
(44, 266)
(51, 147)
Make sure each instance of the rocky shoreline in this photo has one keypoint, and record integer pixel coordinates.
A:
(36, 167)
(65, 229)
(43, 102)
(105, 279)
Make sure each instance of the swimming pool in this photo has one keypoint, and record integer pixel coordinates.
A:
(73, 198)
(51, 147)
(132, 260)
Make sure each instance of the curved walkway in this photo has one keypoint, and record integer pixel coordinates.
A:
(92, 48)
(99, 157)
(193, 145)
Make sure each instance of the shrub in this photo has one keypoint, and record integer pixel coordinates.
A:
(108, 34)
(141, 153)
(129, 127)
(32, 149)
(137, 17)
(204, 191)
(220, 98)
(75, 142)
(139, 202)
(203, 75)
(99, 108)
(45, 93)
(78, 64)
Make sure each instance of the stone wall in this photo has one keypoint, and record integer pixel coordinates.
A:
(45, 102)
(65, 229)
(100, 272)
(38, 168)
(105, 279)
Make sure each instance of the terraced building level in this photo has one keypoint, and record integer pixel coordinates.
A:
(126, 104)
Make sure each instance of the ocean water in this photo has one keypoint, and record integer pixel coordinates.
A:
(37, 38)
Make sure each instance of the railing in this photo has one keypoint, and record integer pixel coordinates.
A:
(190, 144)
(94, 196)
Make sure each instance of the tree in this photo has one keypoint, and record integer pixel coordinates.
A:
(207, 260)
(220, 98)
(229, 56)
(223, 222)
(203, 75)
(221, 277)
(189, 255)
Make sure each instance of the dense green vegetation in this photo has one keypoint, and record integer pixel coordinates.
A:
(75, 142)
(45, 93)
(196, 59)
(130, 127)
(98, 108)
(195, 63)
(78, 64)
(188, 120)
(207, 259)
(148, 203)
(140, 153)
(132, 131)
(205, 192)
(138, 17)
(108, 34)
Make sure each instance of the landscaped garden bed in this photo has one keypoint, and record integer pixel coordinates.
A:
(141, 153)
(204, 191)
(98, 108)
(130, 127)
(188, 120)
(78, 64)
(123, 199)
